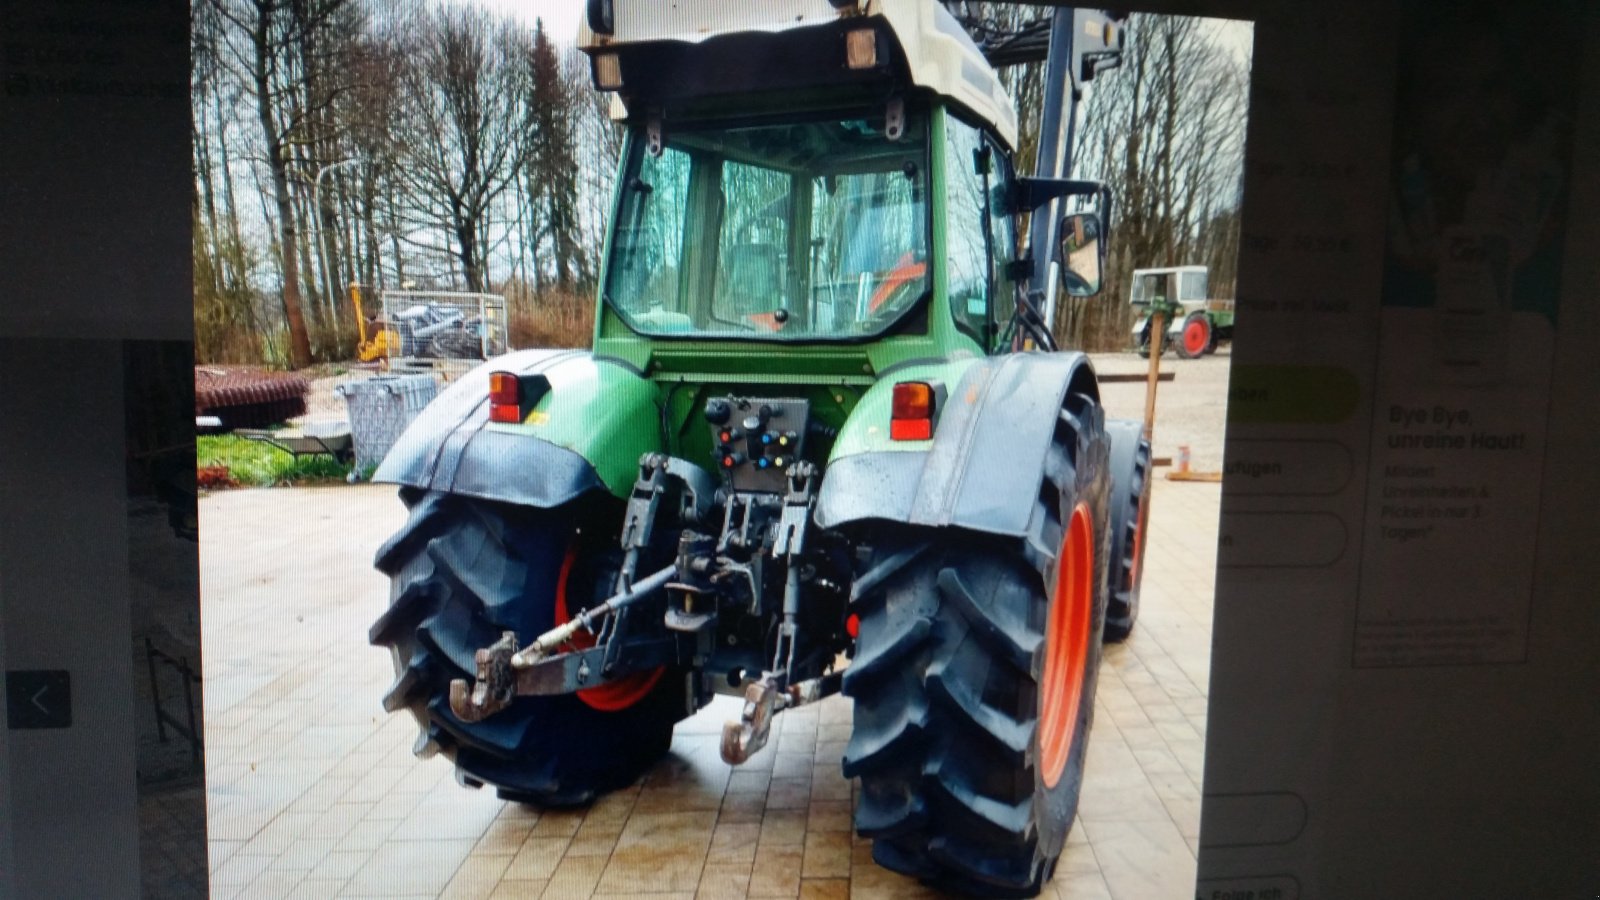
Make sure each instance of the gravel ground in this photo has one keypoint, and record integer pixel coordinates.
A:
(1191, 409)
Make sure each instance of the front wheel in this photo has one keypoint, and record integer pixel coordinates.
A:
(974, 683)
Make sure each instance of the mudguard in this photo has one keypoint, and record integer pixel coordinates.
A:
(983, 468)
(586, 434)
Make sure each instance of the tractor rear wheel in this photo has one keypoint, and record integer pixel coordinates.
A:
(1130, 512)
(1195, 338)
(974, 682)
(464, 570)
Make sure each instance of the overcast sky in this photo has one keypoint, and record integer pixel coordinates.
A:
(560, 16)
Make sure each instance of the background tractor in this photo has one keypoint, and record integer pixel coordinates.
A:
(1195, 323)
(822, 420)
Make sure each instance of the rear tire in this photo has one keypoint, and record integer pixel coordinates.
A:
(462, 571)
(1130, 512)
(1195, 337)
(970, 776)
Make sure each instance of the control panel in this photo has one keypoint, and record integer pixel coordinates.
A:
(755, 440)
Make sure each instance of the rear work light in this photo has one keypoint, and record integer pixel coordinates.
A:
(911, 416)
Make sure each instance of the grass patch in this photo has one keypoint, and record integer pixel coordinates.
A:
(257, 464)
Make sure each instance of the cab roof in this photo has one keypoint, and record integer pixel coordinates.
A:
(933, 51)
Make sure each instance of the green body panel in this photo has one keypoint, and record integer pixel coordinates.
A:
(867, 429)
(601, 411)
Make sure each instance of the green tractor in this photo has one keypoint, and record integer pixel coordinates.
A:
(820, 444)
(1195, 323)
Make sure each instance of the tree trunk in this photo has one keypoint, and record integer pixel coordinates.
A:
(308, 268)
(288, 241)
(467, 253)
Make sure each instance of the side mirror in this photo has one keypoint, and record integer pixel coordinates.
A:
(1083, 254)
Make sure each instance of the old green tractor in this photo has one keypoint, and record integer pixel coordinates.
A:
(821, 443)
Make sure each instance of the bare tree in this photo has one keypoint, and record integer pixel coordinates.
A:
(271, 46)
(552, 161)
(1166, 133)
(464, 111)
(598, 143)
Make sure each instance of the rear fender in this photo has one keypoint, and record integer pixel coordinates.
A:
(990, 453)
(587, 433)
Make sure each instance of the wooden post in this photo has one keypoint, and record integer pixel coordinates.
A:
(1158, 331)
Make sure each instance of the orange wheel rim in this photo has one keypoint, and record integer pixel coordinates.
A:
(1194, 337)
(613, 696)
(1066, 646)
(1142, 519)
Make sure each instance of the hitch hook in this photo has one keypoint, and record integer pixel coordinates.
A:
(765, 699)
(742, 739)
(495, 685)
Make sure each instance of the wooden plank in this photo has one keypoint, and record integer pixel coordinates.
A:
(1130, 377)
(1194, 476)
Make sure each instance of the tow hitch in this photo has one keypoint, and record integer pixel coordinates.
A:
(759, 528)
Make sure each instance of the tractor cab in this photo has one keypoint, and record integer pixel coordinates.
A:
(857, 191)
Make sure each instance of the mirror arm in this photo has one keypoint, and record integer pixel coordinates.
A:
(1032, 193)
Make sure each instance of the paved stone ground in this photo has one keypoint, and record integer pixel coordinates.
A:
(313, 791)
(1189, 409)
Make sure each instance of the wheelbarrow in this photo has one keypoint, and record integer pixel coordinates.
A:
(311, 439)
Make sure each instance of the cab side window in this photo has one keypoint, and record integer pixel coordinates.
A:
(1002, 234)
(968, 268)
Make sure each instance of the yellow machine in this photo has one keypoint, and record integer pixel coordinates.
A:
(381, 343)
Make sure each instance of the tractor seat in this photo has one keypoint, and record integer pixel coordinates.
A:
(752, 281)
